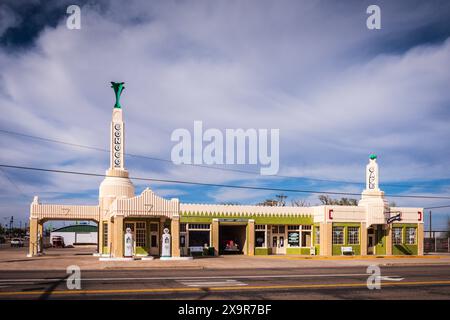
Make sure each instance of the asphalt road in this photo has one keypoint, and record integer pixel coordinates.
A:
(397, 282)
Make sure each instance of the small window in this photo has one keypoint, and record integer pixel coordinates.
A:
(182, 227)
(353, 235)
(338, 235)
(317, 235)
(105, 234)
(411, 235)
(199, 226)
(293, 228)
(397, 235)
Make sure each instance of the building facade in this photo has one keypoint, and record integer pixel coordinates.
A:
(370, 228)
(76, 234)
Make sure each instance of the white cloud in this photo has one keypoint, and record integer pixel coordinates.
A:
(302, 67)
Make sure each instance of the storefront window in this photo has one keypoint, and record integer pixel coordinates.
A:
(140, 234)
(397, 235)
(411, 235)
(198, 238)
(338, 235)
(294, 238)
(260, 239)
(353, 235)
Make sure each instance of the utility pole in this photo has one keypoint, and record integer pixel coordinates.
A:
(431, 230)
(11, 222)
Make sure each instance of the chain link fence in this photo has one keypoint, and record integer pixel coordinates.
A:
(436, 241)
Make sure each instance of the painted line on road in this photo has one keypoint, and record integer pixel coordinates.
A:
(390, 278)
(196, 277)
(195, 289)
(209, 284)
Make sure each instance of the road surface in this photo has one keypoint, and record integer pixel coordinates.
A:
(397, 282)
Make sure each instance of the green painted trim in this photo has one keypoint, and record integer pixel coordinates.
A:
(404, 225)
(404, 249)
(302, 251)
(346, 224)
(303, 220)
(337, 249)
(142, 250)
(192, 219)
(317, 249)
(380, 247)
(263, 251)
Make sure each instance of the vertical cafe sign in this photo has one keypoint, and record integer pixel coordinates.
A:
(117, 127)
(117, 144)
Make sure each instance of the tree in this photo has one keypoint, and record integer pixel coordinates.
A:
(326, 200)
(300, 203)
(279, 202)
(268, 203)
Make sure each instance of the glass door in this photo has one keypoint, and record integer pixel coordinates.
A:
(278, 240)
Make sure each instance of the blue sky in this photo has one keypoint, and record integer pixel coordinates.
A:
(336, 90)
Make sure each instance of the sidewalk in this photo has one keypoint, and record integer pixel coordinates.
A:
(60, 259)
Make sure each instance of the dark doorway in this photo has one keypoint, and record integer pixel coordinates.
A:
(232, 239)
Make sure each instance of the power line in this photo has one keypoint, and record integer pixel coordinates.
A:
(196, 165)
(438, 207)
(219, 185)
(14, 184)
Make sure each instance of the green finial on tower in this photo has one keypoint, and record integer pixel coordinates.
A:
(118, 88)
(373, 156)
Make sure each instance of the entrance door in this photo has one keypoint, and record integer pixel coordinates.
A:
(278, 244)
(154, 239)
(371, 244)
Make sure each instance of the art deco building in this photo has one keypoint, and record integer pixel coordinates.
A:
(370, 228)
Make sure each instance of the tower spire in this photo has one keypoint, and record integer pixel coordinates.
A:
(118, 88)
(116, 183)
(117, 131)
